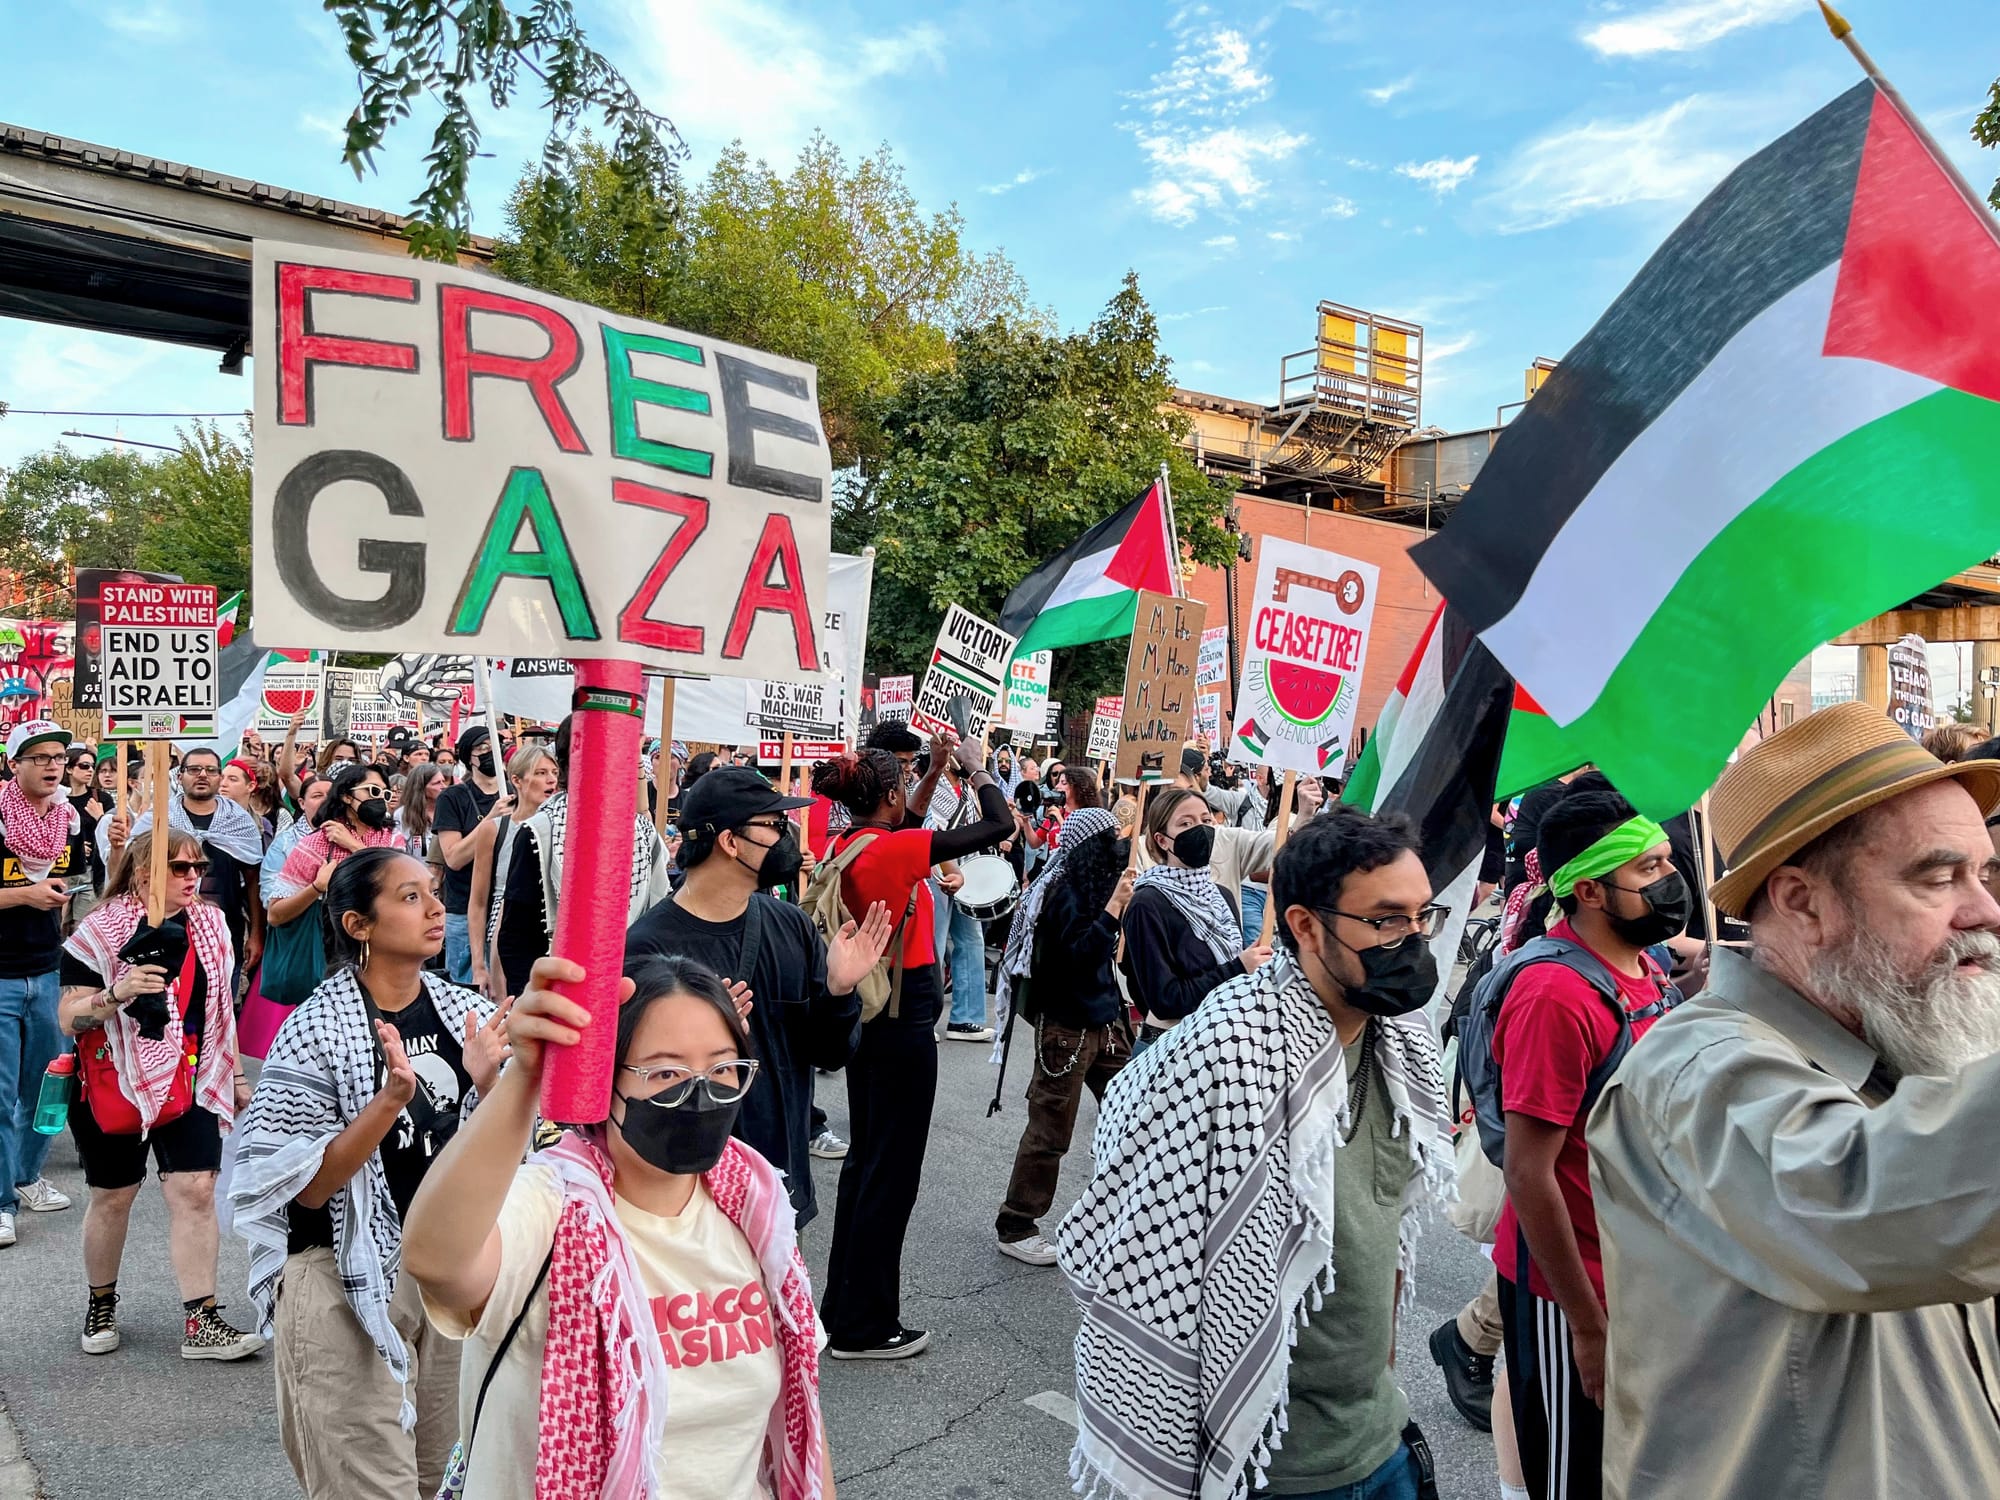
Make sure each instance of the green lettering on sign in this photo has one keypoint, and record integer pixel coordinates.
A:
(526, 498)
(629, 392)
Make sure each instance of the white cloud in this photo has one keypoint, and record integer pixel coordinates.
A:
(1671, 156)
(763, 72)
(1342, 208)
(1359, 165)
(328, 127)
(1020, 179)
(1221, 242)
(1203, 154)
(1684, 25)
(1442, 174)
(1168, 202)
(1391, 89)
(1215, 168)
(1281, 237)
(1198, 312)
(1212, 73)
(154, 21)
(1437, 352)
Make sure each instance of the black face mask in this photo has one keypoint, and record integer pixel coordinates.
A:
(1394, 981)
(683, 1138)
(1193, 846)
(374, 811)
(782, 862)
(483, 763)
(1669, 904)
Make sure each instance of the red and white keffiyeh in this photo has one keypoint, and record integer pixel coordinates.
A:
(604, 1375)
(146, 1066)
(1518, 902)
(36, 835)
(315, 849)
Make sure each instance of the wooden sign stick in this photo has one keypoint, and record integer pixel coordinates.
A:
(156, 888)
(1285, 794)
(785, 768)
(1138, 822)
(661, 817)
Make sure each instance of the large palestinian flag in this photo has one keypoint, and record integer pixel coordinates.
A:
(1090, 590)
(1787, 423)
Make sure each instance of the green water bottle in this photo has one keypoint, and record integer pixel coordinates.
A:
(52, 1108)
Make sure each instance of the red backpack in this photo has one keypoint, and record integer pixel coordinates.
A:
(114, 1113)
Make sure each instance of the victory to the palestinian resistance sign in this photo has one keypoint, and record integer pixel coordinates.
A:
(1308, 638)
(445, 458)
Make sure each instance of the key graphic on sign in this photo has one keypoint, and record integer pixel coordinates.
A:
(1347, 590)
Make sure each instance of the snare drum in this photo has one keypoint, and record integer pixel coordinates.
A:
(990, 891)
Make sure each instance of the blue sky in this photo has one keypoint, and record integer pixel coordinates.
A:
(1494, 171)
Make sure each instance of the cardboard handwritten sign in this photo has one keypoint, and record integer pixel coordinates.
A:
(1310, 621)
(967, 662)
(447, 463)
(160, 678)
(806, 709)
(1159, 686)
(1104, 728)
(1027, 691)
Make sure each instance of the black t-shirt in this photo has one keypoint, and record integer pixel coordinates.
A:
(524, 934)
(438, 1059)
(90, 822)
(227, 881)
(795, 1025)
(80, 975)
(460, 808)
(30, 937)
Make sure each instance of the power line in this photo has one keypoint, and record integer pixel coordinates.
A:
(24, 411)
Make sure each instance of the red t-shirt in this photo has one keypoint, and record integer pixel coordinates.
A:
(1552, 1031)
(887, 871)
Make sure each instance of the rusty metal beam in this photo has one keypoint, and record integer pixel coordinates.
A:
(1972, 622)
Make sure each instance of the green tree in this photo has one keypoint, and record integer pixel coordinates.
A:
(1003, 457)
(1986, 131)
(61, 509)
(832, 263)
(198, 512)
(454, 52)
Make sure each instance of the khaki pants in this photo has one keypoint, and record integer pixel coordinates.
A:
(1479, 1319)
(337, 1402)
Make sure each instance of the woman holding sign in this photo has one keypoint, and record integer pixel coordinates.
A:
(892, 1080)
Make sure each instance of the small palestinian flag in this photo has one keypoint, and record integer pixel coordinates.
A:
(1090, 590)
(1252, 738)
(225, 619)
(1692, 502)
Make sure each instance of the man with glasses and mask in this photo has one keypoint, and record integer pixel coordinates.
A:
(1261, 1174)
(1612, 875)
(737, 844)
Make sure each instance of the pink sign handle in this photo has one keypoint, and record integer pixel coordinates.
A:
(609, 721)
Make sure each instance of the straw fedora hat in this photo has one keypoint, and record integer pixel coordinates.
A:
(1786, 792)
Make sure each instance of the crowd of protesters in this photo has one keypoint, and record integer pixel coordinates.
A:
(1711, 1093)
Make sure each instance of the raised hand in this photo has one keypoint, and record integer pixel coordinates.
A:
(857, 948)
(400, 1087)
(741, 994)
(1255, 957)
(486, 1050)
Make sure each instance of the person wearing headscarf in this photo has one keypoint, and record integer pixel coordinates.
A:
(1082, 1035)
(1182, 938)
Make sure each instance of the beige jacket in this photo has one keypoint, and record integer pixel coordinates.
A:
(1799, 1258)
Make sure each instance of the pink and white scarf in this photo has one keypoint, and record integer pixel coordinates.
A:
(604, 1376)
(315, 849)
(146, 1067)
(36, 835)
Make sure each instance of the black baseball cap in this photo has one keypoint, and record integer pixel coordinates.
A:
(729, 797)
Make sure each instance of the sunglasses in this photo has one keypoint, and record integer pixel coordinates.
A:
(186, 866)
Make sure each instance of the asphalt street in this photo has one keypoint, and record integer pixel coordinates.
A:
(985, 1413)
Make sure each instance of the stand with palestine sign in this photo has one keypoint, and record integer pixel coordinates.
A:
(159, 661)
(449, 463)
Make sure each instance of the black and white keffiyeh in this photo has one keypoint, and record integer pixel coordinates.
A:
(1205, 1238)
(1084, 823)
(319, 1076)
(233, 829)
(649, 880)
(1197, 897)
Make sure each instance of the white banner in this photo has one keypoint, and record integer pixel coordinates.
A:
(1212, 668)
(446, 460)
(1104, 724)
(893, 697)
(1208, 718)
(1309, 624)
(1027, 696)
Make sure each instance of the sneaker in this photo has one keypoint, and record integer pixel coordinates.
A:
(827, 1146)
(1033, 1251)
(6, 1228)
(968, 1031)
(1468, 1377)
(100, 1325)
(907, 1342)
(209, 1337)
(42, 1196)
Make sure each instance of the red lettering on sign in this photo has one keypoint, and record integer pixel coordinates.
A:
(787, 596)
(540, 373)
(633, 626)
(299, 348)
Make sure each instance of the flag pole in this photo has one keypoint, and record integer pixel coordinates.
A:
(1844, 34)
(1173, 545)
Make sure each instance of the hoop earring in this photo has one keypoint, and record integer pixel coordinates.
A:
(365, 954)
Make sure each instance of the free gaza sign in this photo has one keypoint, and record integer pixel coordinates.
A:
(444, 458)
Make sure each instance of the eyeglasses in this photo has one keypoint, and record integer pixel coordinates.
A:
(777, 826)
(1395, 927)
(39, 760)
(725, 1083)
(187, 866)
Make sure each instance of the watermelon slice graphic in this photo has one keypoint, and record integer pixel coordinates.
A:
(1304, 695)
(287, 695)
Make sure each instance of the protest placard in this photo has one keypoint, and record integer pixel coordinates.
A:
(802, 709)
(1208, 718)
(968, 662)
(159, 672)
(771, 752)
(1104, 728)
(444, 459)
(1027, 695)
(87, 690)
(1052, 724)
(1910, 687)
(85, 725)
(294, 683)
(1212, 670)
(1310, 619)
(893, 697)
(1159, 686)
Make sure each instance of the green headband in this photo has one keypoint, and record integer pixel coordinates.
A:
(1625, 842)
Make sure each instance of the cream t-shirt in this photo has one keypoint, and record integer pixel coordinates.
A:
(716, 1328)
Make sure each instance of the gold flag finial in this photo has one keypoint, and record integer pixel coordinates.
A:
(1835, 21)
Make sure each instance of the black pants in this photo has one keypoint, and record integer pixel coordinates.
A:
(891, 1085)
(1559, 1429)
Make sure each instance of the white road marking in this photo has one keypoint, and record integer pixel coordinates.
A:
(1054, 1404)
